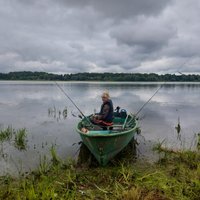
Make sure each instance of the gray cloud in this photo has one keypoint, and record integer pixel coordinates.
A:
(68, 36)
(121, 9)
(146, 34)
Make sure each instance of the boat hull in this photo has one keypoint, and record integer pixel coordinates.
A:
(106, 144)
(105, 148)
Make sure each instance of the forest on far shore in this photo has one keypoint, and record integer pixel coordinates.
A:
(44, 76)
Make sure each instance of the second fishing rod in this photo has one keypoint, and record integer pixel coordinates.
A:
(159, 89)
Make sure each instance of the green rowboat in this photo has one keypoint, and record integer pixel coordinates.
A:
(105, 144)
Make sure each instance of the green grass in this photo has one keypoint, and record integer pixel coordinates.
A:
(175, 176)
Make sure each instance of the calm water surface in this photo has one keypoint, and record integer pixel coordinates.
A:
(36, 105)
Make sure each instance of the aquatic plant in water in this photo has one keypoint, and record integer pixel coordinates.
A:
(6, 134)
(20, 139)
(56, 113)
(198, 141)
(65, 113)
(178, 130)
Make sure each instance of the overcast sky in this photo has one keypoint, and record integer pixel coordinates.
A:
(70, 36)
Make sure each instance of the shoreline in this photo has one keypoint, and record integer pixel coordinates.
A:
(175, 175)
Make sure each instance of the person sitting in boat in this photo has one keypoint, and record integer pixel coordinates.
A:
(105, 116)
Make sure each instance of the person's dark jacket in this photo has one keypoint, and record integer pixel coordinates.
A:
(106, 111)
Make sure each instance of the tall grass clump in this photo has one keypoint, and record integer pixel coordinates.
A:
(44, 166)
(6, 134)
(55, 159)
(21, 139)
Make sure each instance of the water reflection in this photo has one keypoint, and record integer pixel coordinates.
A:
(31, 105)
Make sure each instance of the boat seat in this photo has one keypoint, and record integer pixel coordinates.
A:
(119, 126)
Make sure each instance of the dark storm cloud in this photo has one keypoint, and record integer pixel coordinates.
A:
(69, 36)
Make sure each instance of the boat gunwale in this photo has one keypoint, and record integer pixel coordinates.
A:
(123, 132)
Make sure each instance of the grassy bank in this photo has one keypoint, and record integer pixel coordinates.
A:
(176, 175)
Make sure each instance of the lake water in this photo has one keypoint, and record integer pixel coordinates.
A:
(38, 107)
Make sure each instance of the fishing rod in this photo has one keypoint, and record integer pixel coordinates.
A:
(69, 98)
(73, 103)
(160, 88)
(66, 95)
(149, 99)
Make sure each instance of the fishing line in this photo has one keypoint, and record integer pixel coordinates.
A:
(183, 65)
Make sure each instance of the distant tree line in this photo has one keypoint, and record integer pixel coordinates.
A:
(40, 76)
